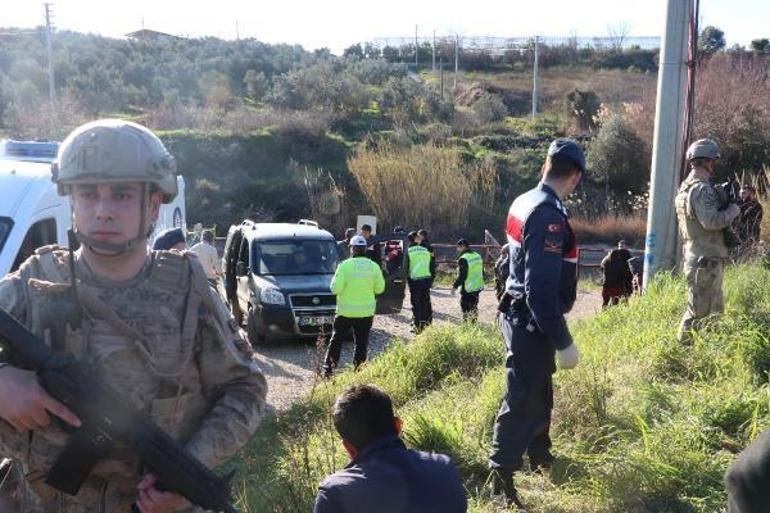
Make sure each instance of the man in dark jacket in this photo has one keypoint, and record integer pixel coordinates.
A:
(374, 250)
(749, 221)
(748, 479)
(617, 278)
(384, 476)
(343, 246)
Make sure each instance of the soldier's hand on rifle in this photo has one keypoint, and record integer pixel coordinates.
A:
(152, 500)
(25, 404)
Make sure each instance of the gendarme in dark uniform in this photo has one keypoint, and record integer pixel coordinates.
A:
(541, 288)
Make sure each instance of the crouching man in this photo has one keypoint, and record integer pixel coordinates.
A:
(384, 476)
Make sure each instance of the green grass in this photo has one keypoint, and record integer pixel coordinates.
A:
(642, 425)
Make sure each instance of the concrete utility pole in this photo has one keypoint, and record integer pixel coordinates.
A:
(535, 73)
(441, 72)
(433, 53)
(49, 50)
(662, 245)
(416, 50)
(457, 62)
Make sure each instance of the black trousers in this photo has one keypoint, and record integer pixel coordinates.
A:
(524, 420)
(422, 310)
(342, 328)
(469, 305)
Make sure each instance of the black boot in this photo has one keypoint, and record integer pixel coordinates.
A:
(502, 484)
(541, 462)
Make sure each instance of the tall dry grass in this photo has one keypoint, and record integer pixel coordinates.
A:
(418, 186)
(610, 229)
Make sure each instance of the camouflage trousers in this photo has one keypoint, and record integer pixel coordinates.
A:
(704, 294)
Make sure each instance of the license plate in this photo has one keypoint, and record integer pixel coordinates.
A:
(316, 321)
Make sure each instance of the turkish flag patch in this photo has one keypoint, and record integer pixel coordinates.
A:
(554, 228)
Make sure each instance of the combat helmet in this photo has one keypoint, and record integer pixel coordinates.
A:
(703, 149)
(112, 151)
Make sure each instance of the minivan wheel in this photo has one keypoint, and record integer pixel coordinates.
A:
(251, 330)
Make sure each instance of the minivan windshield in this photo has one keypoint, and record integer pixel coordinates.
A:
(5, 228)
(294, 257)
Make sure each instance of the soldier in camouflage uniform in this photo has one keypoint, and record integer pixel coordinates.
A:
(145, 320)
(702, 224)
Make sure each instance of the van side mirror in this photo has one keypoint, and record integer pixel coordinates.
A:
(241, 269)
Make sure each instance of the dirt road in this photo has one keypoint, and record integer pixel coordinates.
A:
(291, 367)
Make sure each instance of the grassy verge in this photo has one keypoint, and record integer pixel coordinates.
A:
(642, 425)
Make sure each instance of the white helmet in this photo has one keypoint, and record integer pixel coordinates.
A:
(358, 242)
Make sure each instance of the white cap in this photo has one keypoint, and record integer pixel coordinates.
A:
(358, 241)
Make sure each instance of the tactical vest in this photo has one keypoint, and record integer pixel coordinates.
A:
(697, 240)
(419, 262)
(132, 335)
(474, 281)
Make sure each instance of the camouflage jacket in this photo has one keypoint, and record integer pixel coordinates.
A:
(162, 339)
(700, 219)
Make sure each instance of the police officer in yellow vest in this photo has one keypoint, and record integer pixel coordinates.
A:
(146, 321)
(356, 283)
(420, 279)
(702, 223)
(470, 280)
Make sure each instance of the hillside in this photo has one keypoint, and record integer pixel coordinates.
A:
(642, 425)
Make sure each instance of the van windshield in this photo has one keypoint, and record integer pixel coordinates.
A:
(5, 229)
(295, 257)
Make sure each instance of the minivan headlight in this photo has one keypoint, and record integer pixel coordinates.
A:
(271, 296)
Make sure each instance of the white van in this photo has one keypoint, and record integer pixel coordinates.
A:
(32, 214)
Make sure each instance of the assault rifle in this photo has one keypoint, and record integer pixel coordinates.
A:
(107, 417)
(729, 192)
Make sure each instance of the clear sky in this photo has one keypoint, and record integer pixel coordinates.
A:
(337, 24)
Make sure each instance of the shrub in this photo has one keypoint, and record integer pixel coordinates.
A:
(582, 108)
(619, 157)
(489, 108)
(734, 109)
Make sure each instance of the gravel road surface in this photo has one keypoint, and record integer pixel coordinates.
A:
(290, 368)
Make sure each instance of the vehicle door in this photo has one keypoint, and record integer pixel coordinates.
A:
(395, 268)
(243, 276)
(229, 261)
(41, 233)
